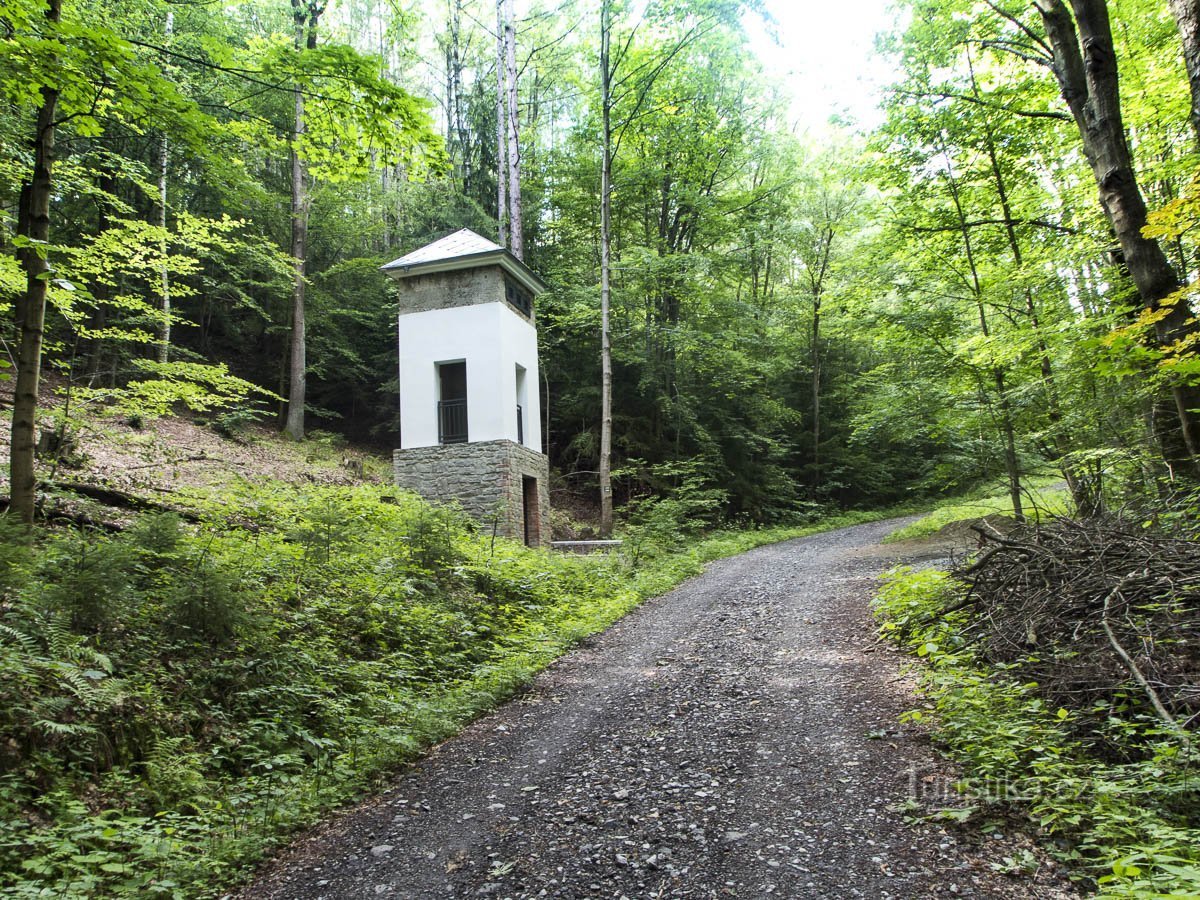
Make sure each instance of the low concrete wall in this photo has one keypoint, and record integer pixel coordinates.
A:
(485, 478)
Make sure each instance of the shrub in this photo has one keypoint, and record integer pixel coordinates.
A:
(87, 577)
(1131, 824)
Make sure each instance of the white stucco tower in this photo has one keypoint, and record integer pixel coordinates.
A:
(470, 416)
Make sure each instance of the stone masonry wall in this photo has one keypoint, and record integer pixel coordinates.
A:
(485, 478)
(445, 290)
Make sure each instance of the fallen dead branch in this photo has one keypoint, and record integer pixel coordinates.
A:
(1102, 615)
(119, 499)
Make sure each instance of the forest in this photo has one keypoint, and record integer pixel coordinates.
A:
(197, 200)
(751, 327)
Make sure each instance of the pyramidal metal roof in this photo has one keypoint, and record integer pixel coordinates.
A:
(464, 249)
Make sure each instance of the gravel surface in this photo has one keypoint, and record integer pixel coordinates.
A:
(736, 737)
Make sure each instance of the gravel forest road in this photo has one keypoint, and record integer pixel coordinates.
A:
(736, 737)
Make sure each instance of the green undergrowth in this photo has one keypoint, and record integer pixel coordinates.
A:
(1129, 823)
(1043, 498)
(177, 698)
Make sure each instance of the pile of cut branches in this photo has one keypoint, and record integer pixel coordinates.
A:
(1103, 615)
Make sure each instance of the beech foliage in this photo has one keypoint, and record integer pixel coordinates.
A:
(795, 320)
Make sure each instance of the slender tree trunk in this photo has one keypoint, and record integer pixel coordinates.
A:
(298, 363)
(1011, 464)
(451, 136)
(1054, 409)
(33, 222)
(164, 151)
(1187, 17)
(606, 498)
(106, 181)
(1085, 65)
(816, 392)
(501, 129)
(305, 20)
(456, 113)
(1007, 431)
(817, 273)
(546, 412)
(515, 228)
(386, 214)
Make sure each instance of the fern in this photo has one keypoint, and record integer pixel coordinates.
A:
(65, 729)
(20, 638)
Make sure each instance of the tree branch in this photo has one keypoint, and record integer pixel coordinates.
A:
(1132, 666)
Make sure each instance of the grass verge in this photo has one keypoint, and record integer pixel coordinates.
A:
(1043, 498)
(176, 699)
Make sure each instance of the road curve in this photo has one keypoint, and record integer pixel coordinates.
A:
(736, 737)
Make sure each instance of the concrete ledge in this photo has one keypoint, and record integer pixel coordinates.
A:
(584, 546)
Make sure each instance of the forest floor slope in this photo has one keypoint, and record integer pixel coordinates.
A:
(180, 455)
(737, 736)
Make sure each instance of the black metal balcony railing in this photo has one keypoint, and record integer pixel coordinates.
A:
(452, 421)
(520, 425)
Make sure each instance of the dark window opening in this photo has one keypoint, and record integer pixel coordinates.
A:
(518, 296)
(452, 405)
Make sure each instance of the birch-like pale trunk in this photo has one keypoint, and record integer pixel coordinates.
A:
(606, 498)
(501, 130)
(516, 235)
(817, 271)
(305, 21)
(816, 390)
(1187, 17)
(164, 155)
(33, 222)
(456, 113)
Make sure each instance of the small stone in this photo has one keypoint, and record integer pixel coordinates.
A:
(381, 850)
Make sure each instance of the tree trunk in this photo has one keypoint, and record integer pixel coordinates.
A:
(545, 411)
(1187, 17)
(297, 359)
(1012, 467)
(1085, 65)
(816, 392)
(516, 234)
(455, 112)
(1011, 464)
(817, 271)
(164, 148)
(1053, 406)
(106, 181)
(606, 499)
(501, 130)
(305, 22)
(34, 224)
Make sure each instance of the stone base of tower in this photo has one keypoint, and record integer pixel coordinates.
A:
(502, 484)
